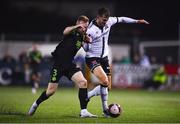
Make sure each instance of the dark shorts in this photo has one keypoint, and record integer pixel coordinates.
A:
(94, 62)
(35, 70)
(58, 71)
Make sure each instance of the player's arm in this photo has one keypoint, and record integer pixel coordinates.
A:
(114, 20)
(69, 29)
(131, 20)
(88, 39)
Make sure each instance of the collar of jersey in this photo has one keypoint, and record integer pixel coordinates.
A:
(95, 23)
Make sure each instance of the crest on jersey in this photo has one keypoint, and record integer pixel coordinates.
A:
(94, 62)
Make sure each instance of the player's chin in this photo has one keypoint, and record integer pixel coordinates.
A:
(102, 25)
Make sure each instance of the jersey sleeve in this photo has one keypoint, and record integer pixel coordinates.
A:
(113, 20)
(126, 20)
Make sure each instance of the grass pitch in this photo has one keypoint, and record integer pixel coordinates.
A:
(138, 106)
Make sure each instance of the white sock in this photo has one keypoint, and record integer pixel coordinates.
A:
(104, 97)
(34, 90)
(94, 92)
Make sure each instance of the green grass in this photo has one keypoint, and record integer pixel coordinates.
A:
(138, 106)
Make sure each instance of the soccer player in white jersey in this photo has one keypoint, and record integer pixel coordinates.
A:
(97, 52)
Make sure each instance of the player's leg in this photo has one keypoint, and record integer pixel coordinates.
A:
(93, 63)
(97, 91)
(51, 89)
(81, 82)
(36, 80)
(33, 78)
(101, 75)
(110, 82)
(101, 69)
(94, 92)
(107, 69)
(104, 62)
(108, 73)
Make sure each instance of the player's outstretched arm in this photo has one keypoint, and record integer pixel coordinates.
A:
(69, 29)
(126, 20)
(131, 20)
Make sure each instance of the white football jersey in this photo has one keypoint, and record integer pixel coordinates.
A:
(99, 45)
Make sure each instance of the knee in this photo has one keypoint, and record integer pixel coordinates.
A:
(50, 91)
(82, 84)
(105, 81)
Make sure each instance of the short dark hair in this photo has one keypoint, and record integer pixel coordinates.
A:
(103, 12)
(83, 18)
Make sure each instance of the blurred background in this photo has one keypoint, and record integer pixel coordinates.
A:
(142, 56)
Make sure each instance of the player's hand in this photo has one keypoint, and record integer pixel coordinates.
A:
(142, 21)
(87, 39)
(80, 26)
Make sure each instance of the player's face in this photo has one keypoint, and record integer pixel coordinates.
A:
(102, 20)
(83, 28)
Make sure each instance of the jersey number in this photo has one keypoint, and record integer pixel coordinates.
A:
(54, 75)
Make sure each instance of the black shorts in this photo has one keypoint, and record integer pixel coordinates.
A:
(94, 62)
(35, 70)
(58, 71)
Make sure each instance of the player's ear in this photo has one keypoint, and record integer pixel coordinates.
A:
(97, 16)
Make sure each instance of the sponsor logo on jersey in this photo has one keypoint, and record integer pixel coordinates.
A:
(78, 44)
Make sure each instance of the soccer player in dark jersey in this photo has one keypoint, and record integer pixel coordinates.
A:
(63, 56)
(35, 58)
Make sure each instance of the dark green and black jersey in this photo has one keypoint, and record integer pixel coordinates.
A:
(67, 48)
(35, 57)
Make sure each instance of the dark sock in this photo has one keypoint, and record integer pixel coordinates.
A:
(42, 97)
(83, 97)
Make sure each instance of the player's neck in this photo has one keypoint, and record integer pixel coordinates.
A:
(97, 23)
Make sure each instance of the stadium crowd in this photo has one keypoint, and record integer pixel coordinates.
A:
(19, 72)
